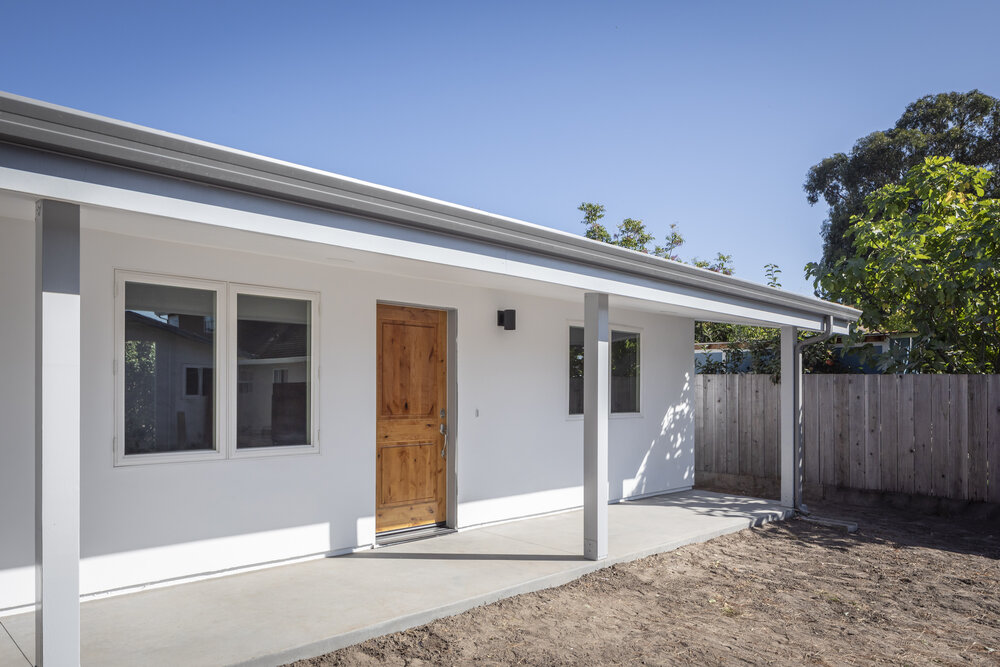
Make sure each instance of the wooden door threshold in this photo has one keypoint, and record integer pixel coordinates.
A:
(404, 535)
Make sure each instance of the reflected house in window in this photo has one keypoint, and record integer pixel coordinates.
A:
(272, 405)
(169, 369)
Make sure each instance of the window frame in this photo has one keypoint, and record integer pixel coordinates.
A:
(612, 326)
(219, 351)
(226, 369)
(235, 289)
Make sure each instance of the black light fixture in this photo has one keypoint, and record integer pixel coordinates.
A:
(506, 319)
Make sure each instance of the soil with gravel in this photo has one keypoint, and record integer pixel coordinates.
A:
(904, 589)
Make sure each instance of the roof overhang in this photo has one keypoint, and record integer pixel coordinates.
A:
(61, 131)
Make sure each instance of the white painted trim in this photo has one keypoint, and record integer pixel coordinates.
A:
(219, 395)
(235, 289)
(511, 263)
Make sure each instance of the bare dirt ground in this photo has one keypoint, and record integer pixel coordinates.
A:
(905, 589)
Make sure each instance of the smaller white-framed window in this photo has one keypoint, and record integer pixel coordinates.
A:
(274, 338)
(625, 374)
(168, 393)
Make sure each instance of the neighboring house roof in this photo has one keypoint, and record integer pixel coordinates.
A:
(139, 318)
(36, 124)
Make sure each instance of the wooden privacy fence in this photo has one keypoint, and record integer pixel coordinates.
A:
(933, 435)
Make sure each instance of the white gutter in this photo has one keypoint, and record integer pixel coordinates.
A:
(35, 124)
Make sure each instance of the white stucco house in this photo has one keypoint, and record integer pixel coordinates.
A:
(213, 360)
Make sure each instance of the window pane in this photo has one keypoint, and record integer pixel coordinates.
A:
(624, 371)
(272, 401)
(169, 406)
(576, 370)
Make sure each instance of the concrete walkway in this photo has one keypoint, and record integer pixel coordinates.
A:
(284, 613)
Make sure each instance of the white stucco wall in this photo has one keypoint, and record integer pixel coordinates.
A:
(517, 452)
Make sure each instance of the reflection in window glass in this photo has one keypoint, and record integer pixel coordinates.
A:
(576, 370)
(624, 371)
(168, 369)
(272, 341)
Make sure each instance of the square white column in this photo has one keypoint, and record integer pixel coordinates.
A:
(789, 404)
(57, 433)
(596, 407)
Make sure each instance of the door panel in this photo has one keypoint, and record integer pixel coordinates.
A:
(411, 469)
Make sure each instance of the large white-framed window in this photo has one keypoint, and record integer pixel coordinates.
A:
(208, 370)
(272, 362)
(625, 376)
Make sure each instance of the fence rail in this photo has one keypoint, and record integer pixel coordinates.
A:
(932, 435)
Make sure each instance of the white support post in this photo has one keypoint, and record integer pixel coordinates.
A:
(789, 371)
(57, 433)
(596, 407)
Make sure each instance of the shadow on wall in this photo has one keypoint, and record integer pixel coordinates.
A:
(656, 471)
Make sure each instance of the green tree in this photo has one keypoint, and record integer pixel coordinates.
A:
(592, 215)
(771, 271)
(673, 241)
(963, 126)
(632, 234)
(926, 254)
(721, 264)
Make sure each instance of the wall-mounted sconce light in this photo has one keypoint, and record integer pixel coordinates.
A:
(506, 319)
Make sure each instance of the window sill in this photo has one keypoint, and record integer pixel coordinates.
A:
(280, 450)
(126, 460)
(613, 415)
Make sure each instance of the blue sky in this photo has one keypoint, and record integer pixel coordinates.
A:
(707, 115)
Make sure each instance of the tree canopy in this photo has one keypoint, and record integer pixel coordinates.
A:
(962, 126)
(926, 254)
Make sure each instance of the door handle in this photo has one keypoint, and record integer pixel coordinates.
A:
(444, 449)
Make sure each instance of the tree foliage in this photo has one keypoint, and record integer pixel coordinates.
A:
(758, 344)
(926, 254)
(963, 126)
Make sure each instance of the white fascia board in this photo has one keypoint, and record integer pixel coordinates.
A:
(498, 261)
(32, 123)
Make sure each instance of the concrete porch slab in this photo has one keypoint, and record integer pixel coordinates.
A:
(277, 615)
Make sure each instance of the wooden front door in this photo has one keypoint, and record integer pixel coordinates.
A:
(412, 391)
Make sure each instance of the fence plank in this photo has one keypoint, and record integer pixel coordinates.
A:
(978, 433)
(720, 423)
(906, 445)
(842, 401)
(828, 430)
(923, 463)
(711, 383)
(810, 429)
(873, 457)
(856, 408)
(733, 424)
(959, 421)
(771, 397)
(993, 439)
(941, 452)
(888, 415)
(746, 409)
(757, 427)
(699, 422)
